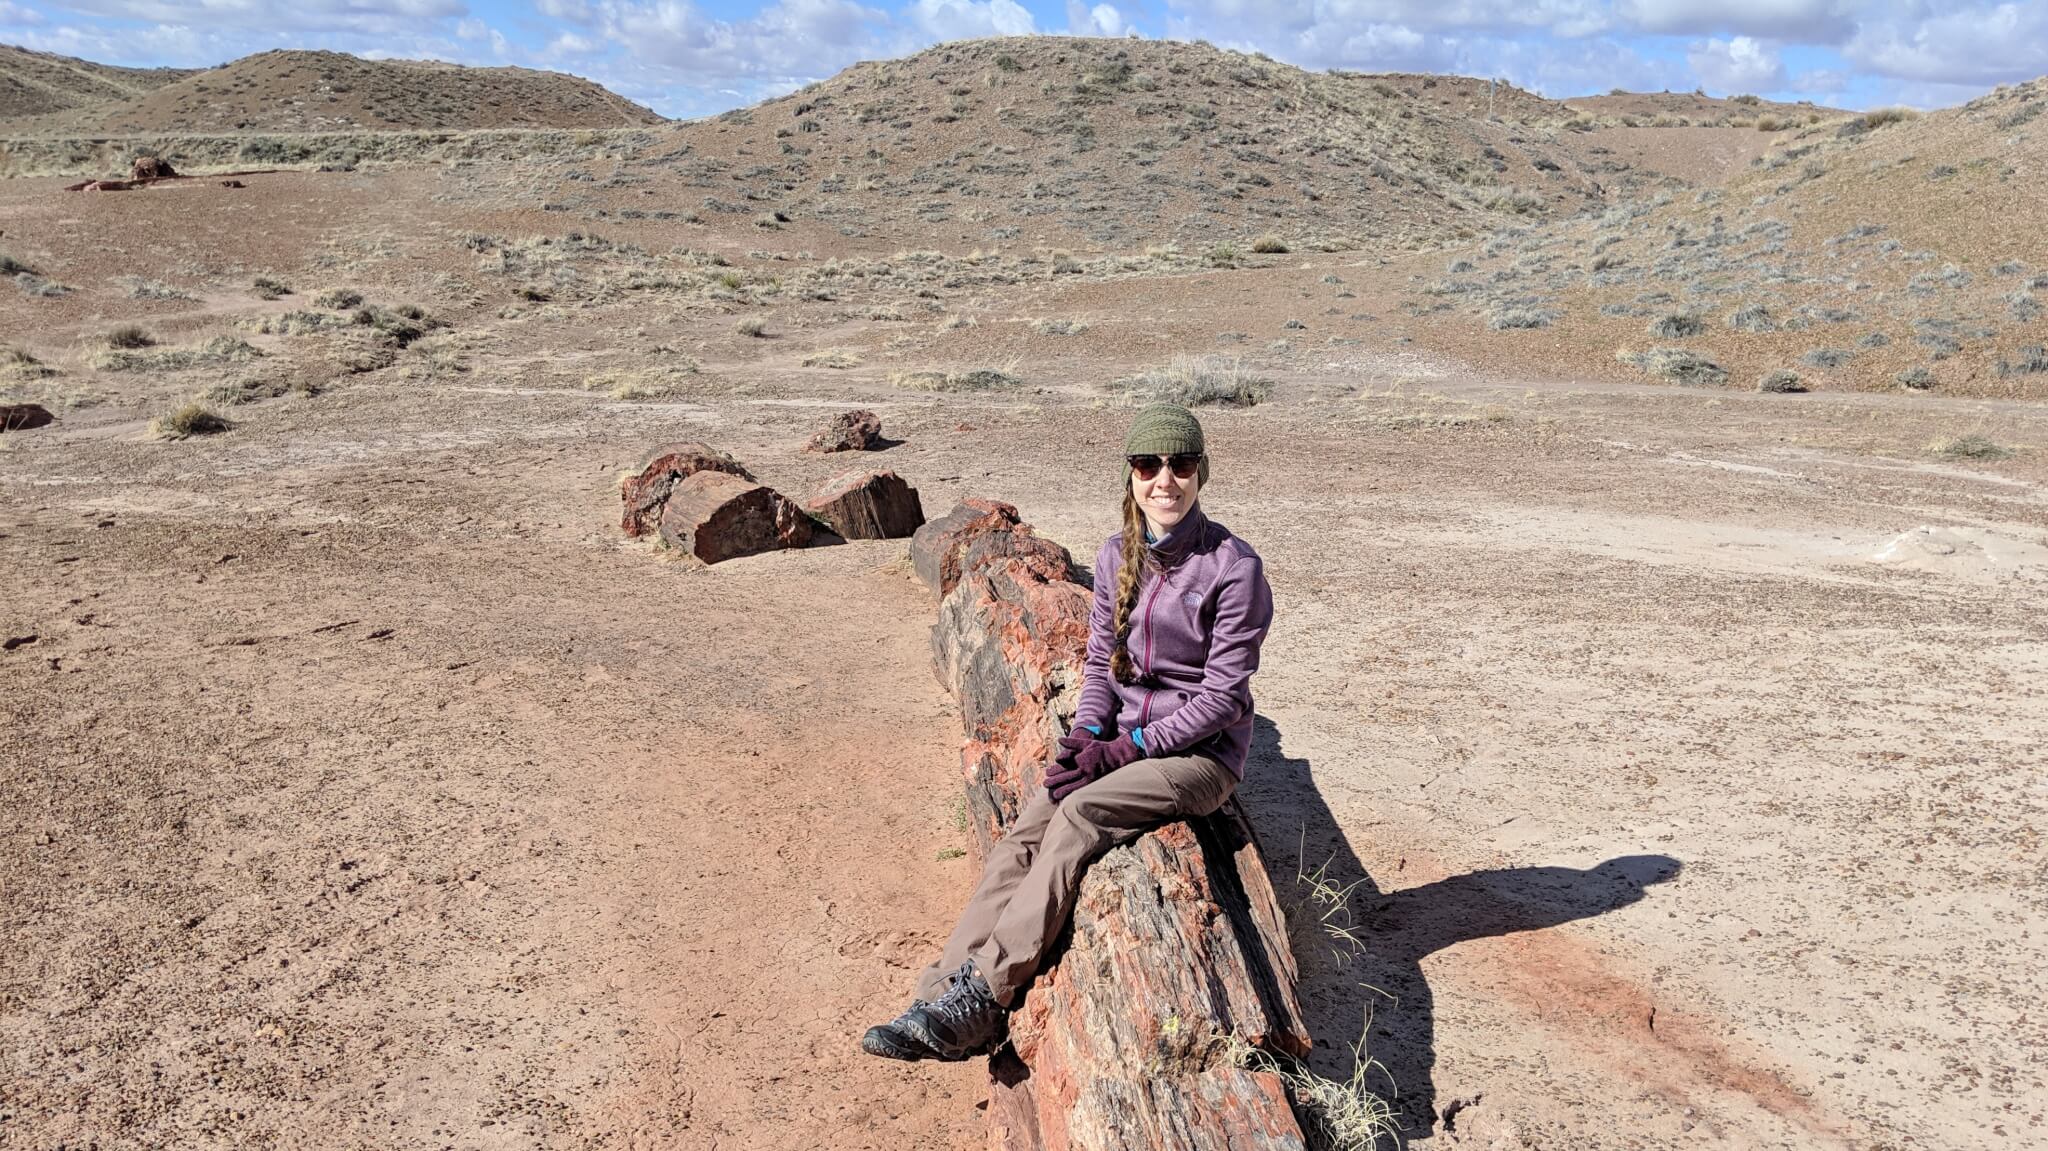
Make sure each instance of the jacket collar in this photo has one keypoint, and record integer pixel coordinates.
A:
(1184, 539)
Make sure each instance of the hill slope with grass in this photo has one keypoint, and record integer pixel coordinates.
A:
(1883, 251)
(297, 91)
(40, 85)
(1115, 142)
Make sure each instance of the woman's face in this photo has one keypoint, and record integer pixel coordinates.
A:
(1165, 498)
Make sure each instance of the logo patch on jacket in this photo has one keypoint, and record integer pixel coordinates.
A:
(1193, 600)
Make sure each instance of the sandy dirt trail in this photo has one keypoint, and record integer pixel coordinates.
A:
(329, 832)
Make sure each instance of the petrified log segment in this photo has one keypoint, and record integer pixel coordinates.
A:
(1177, 939)
(20, 417)
(868, 506)
(854, 431)
(977, 532)
(645, 494)
(715, 516)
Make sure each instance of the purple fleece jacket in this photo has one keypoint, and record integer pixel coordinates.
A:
(1202, 614)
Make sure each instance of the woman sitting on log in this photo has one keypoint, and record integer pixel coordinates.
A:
(1161, 732)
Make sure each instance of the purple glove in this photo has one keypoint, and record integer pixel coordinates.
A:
(1072, 743)
(1096, 760)
(1100, 758)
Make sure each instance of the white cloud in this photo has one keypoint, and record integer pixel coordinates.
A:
(1337, 20)
(570, 44)
(576, 11)
(367, 16)
(1964, 44)
(963, 19)
(15, 14)
(1742, 64)
(1807, 21)
(1829, 81)
(1101, 20)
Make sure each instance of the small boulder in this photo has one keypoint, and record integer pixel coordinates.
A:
(855, 431)
(645, 494)
(152, 168)
(716, 516)
(977, 532)
(21, 417)
(868, 506)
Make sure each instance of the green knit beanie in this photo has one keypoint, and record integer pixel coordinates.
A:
(1167, 430)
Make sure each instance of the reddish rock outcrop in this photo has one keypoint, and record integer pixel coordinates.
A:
(978, 532)
(854, 431)
(1177, 940)
(645, 494)
(716, 516)
(21, 417)
(868, 506)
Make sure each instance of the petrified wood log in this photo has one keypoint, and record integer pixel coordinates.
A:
(715, 516)
(1177, 941)
(854, 431)
(645, 494)
(868, 506)
(20, 417)
(977, 532)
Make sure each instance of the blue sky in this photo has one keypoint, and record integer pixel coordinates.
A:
(694, 57)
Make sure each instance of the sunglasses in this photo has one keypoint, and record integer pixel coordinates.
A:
(1184, 466)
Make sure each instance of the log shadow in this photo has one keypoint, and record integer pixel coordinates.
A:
(1339, 985)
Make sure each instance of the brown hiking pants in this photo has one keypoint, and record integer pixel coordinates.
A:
(1027, 886)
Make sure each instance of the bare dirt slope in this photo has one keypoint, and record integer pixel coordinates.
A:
(302, 91)
(1678, 747)
(1874, 253)
(40, 84)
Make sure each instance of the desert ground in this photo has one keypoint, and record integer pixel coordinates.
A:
(1677, 745)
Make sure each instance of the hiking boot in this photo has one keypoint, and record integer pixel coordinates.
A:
(895, 1040)
(964, 1022)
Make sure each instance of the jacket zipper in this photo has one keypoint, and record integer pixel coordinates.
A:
(1145, 712)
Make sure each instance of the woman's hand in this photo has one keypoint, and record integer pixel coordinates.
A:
(1097, 758)
(1104, 756)
(1072, 744)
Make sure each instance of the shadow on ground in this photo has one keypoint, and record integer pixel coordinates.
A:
(1340, 984)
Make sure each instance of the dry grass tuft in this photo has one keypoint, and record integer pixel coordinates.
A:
(1680, 365)
(16, 364)
(971, 380)
(1194, 381)
(1269, 245)
(840, 358)
(218, 350)
(128, 336)
(194, 419)
(753, 326)
(338, 299)
(1049, 327)
(1970, 447)
(139, 288)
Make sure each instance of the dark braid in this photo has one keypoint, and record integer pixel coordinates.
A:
(1135, 554)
